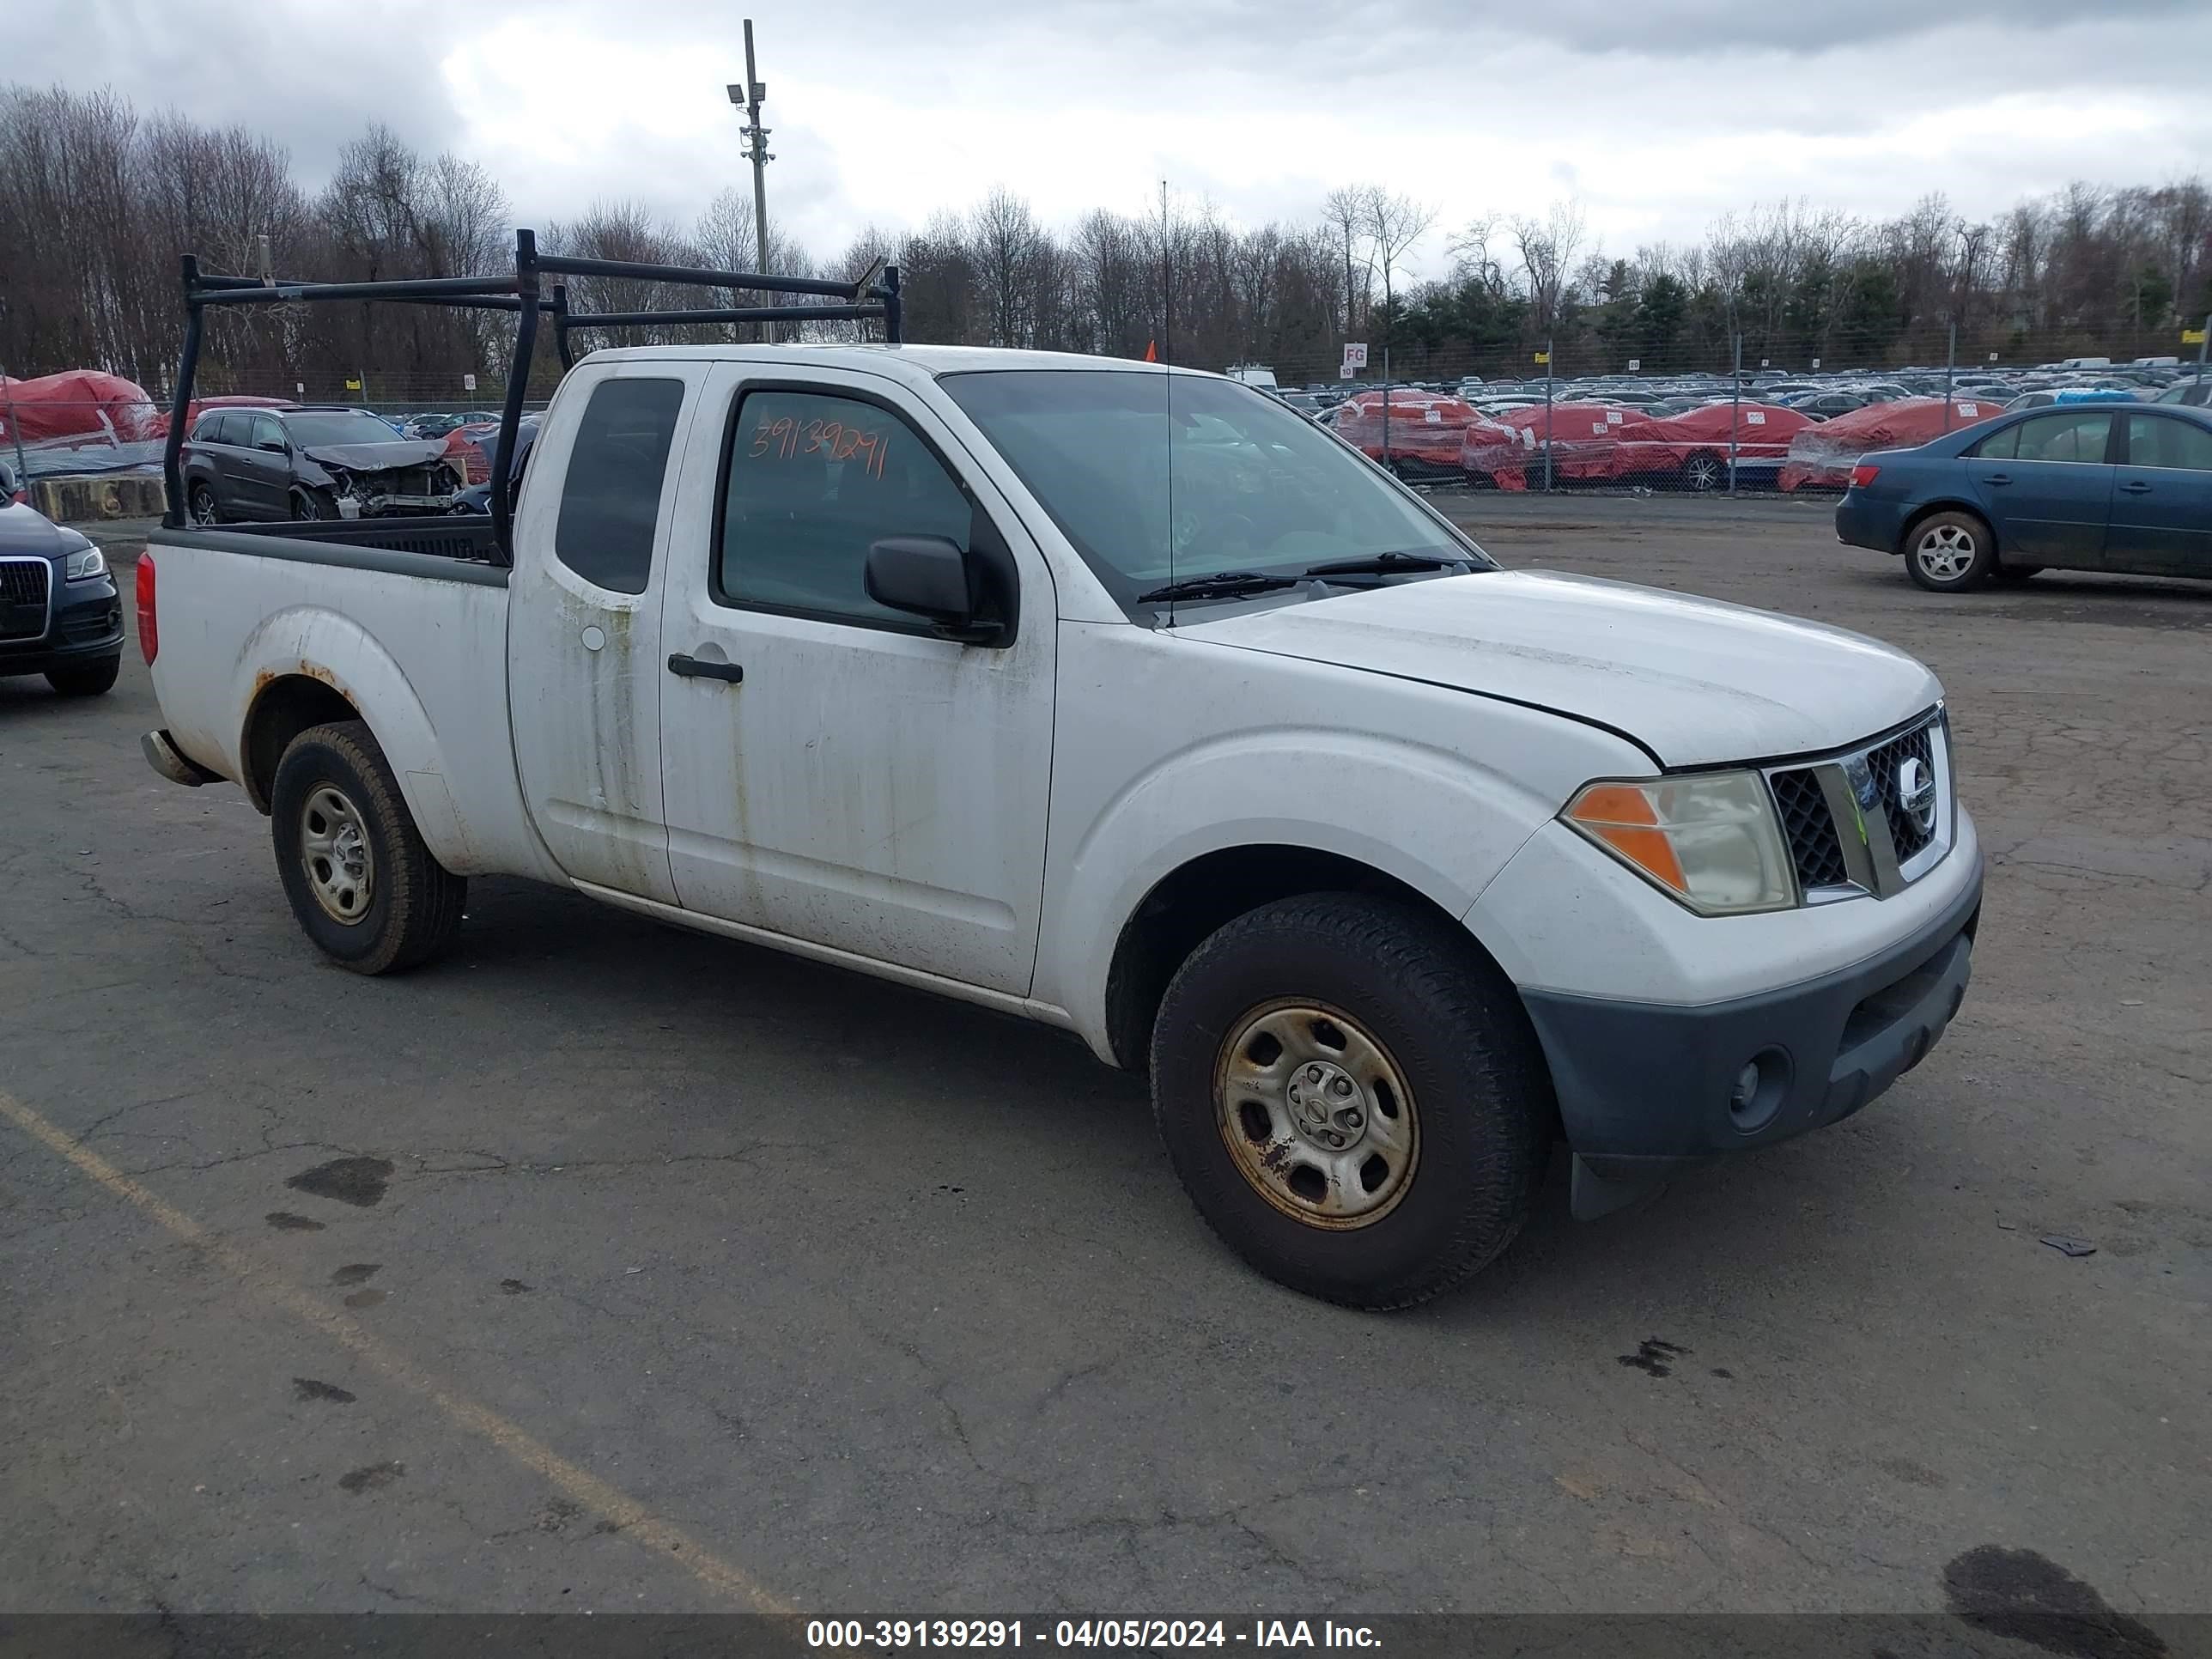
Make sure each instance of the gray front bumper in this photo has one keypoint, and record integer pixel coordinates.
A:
(1645, 1090)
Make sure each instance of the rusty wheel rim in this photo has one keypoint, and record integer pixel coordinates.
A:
(335, 853)
(1315, 1114)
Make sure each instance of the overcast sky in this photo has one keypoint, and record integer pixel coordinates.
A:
(1658, 114)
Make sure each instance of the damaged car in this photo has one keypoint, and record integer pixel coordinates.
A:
(291, 464)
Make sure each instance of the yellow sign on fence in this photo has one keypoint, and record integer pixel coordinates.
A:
(353, 385)
(2192, 336)
(1543, 356)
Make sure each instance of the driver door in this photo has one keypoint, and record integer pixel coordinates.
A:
(834, 771)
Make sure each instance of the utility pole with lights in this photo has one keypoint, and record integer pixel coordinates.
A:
(749, 97)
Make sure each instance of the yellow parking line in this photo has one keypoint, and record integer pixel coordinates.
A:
(637, 1522)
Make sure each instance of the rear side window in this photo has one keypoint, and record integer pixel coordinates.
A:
(2156, 442)
(610, 500)
(813, 479)
(2067, 437)
(1999, 446)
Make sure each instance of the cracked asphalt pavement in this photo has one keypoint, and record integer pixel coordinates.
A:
(605, 1266)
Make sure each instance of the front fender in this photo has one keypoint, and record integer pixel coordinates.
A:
(322, 645)
(1426, 816)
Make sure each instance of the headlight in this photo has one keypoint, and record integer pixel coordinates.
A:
(85, 563)
(1709, 839)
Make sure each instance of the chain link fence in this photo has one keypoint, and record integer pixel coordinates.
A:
(1734, 416)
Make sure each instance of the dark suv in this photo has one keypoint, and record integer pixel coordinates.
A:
(60, 615)
(303, 464)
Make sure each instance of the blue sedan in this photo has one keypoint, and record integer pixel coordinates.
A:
(2093, 487)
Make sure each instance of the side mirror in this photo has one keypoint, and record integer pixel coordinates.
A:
(934, 578)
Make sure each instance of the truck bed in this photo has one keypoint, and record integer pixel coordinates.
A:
(406, 618)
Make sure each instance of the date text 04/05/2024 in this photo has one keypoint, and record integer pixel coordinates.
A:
(1139, 1633)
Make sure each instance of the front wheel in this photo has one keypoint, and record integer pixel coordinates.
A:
(1352, 1098)
(1704, 473)
(364, 886)
(1950, 552)
(311, 507)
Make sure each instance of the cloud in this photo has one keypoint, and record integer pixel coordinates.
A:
(1658, 116)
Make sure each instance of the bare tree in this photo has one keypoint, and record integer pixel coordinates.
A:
(1345, 211)
(1547, 249)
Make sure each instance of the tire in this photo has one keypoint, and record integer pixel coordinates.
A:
(1950, 552)
(312, 506)
(341, 826)
(201, 505)
(1456, 1148)
(1705, 472)
(86, 679)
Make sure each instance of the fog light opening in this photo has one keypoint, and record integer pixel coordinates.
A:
(1756, 1092)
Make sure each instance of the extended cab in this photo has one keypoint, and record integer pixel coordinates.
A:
(1119, 698)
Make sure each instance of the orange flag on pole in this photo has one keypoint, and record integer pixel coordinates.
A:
(1152, 351)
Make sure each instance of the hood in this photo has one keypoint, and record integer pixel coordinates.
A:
(377, 457)
(26, 530)
(1696, 681)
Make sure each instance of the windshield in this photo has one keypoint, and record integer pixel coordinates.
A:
(313, 431)
(1255, 487)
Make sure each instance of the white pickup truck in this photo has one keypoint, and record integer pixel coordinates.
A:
(1121, 698)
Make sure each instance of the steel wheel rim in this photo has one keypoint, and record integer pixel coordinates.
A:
(1944, 552)
(334, 854)
(1316, 1114)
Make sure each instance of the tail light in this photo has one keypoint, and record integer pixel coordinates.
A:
(1863, 476)
(149, 630)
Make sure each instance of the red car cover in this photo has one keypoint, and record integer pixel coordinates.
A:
(1585, 440)
(468, 447)
(1763, 431)
(1821, 456)
(79, 406)
(1425, 427)
(1632, 445)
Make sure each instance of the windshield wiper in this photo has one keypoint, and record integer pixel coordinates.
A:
(1383, 564)
(1221, 585)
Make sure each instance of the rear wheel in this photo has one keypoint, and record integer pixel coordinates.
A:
(361, 882)
(201, 502)
(1950, 552)
(1705, 472)
(1353, 1098)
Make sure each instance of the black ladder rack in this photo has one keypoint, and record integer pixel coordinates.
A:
(525, 294)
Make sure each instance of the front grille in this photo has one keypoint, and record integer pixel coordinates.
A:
(1884, 762)
(1810, 830)
(23, 598)
(1876, 836)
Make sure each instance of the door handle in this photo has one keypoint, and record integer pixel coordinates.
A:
(694, 668)
(1998, 478)
(2136, 487)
